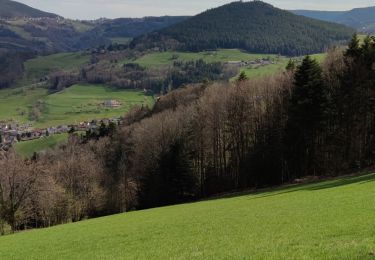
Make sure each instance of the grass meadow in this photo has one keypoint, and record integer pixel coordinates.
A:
(43, 65)
(327, 220)
(85, 102)
(72, 105)
(223, 55)
(27, 149)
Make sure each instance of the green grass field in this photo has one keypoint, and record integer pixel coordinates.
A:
(27, 149)
(268, 70)
(84, 102)
(328, 220)
(222, 55)
(43, 65)
(73, 105)
(15, 104)
(279, 66)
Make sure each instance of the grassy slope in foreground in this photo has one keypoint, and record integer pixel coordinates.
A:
(328, 220)
(27, 149)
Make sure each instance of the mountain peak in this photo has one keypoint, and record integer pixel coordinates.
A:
(254, 26)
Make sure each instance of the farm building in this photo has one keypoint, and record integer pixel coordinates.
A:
(112, 103)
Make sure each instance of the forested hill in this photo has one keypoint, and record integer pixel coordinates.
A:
(254, 26)
(362, 19)
(133, 27)
(12, 9)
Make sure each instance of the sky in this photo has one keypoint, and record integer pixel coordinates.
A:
(93, 9)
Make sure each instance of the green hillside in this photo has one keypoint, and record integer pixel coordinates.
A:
(222, 55)
(84, 102)
(72, 105)
(11, 9)
(328, 220)
(27, 149)
(43, 65)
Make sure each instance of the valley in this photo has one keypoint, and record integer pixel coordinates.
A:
(32, 104)
(240, 131)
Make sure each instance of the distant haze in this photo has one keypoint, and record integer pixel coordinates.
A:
(93, 9)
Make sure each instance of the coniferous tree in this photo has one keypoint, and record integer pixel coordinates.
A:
(171, 181)
(291, 66)
(306, 118)
(242, 77)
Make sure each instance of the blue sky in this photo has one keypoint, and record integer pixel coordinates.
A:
(92, 9)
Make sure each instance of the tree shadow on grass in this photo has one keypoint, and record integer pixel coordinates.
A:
(328, 184)
(362, 179)
(315, 186)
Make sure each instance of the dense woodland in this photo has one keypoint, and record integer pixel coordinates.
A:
(311, 121)
(134, 27)
(253, 26)
(11, 66)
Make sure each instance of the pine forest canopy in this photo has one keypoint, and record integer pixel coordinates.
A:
(253, 26)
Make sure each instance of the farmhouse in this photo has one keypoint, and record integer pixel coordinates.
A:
(112, 103)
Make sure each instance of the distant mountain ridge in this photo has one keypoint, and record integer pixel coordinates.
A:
(362, 19)
(11, 9)
(253, 26)
(133, 27)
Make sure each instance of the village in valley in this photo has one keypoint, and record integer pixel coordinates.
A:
(12, 132)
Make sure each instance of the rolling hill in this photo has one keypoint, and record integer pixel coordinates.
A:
(26, 32)
(362, 19)
(133, 27)
(327, 220)
(253, 26)
(13, 9)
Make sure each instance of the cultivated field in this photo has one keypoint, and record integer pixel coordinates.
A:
(328, 220)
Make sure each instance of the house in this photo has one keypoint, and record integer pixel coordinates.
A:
(112, 103)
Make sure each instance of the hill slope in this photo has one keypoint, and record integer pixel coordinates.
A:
(362, 19)
(254, 26)
(12, 9)
(328, 220)
(133, 27)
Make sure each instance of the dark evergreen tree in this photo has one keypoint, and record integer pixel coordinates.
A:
(306, 118)
(171, 181)
(242, 77)
(291, 66)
